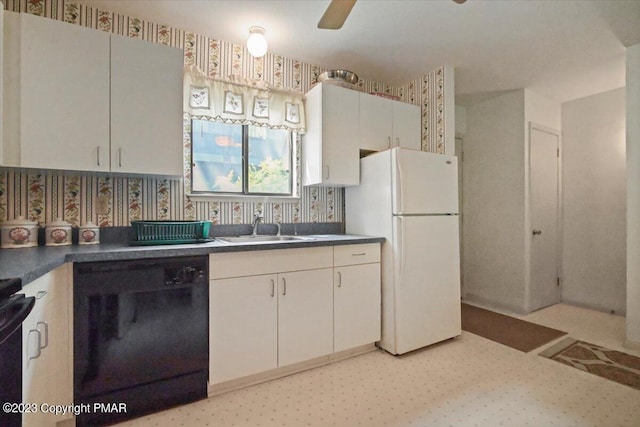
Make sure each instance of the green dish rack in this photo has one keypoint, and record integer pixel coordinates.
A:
(170, 232)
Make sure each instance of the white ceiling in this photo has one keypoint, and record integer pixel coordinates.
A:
(562, 49)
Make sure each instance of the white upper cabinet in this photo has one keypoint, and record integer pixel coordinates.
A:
(56, 104)
(341, 122)
(146, 112)
(407, 126)
(385, 124)
(376, 122)
(82, 99)
(330, 152)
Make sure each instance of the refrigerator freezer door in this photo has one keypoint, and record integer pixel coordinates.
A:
(426, 281)
(424, 183)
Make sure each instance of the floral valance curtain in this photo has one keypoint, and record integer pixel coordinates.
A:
(242, 101)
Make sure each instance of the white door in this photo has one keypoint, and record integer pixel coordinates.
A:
(427, 280)
(544, 211)
(424, 183)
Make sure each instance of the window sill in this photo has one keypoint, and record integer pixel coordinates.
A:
(241, 198)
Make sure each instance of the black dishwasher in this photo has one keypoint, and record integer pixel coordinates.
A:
(141, 336)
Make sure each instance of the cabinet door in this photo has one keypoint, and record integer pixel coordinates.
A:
(330, 154)
(46, 361)
(375, 122)
(146, 107)
(243, 327)
(340, 153)
(305, 315)
(356, 306)
(406, 126)
(63, 96)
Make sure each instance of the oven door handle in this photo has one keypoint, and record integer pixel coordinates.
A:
(19, 309)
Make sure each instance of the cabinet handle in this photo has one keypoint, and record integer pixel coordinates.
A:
(46, 333)
(389, 140)
(98, 156)
(120, 157)
(39, 343)
(41, 294)
(359, 254)
(284, 286)
(273, 288)
(339, 279)
(327, 168)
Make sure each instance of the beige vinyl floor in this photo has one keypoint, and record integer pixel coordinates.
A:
(467, 381)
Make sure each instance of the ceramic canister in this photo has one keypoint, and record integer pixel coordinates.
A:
(19, 233)
(58, 233)
(89, 234)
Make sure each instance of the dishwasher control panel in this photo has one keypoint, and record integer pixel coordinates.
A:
(184, 275)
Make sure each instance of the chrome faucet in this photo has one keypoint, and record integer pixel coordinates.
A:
(256, 221)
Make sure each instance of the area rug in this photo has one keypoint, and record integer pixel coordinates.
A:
(610, 364)
(506, 330)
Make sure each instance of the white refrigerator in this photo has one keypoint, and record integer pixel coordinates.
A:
(411, 198)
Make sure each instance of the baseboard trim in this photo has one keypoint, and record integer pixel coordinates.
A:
(633, 345)
(480, 302)
(227, 386)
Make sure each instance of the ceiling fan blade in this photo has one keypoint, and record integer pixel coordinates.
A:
(336, 14)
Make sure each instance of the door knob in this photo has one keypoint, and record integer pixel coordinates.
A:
(537, 232)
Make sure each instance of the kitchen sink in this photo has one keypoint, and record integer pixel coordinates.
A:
(262, 239)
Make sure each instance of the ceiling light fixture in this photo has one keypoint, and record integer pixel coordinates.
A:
(257, 43)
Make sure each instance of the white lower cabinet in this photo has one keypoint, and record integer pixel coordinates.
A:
(46, 349)
(276, 308)
(244, 327)
(356, 306)
(356, 296)
(305, 315)
(260, 322)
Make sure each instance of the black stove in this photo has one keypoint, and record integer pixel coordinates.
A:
(14, 308)
(9, 287)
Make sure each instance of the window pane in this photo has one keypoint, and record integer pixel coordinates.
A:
(269, 161)
(216, 156)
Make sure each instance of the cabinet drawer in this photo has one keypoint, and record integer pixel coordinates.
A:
(49, 287)
(252, 263)
(356, 254)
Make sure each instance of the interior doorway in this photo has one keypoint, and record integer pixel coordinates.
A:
(544, 213)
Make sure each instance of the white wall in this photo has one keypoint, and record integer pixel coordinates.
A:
(461, 121)
(594, 202)
(495, 187)
(541, 110)
(493, 205)
(633, 195)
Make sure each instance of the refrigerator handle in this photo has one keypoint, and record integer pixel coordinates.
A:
(400, 246)
(399, 195)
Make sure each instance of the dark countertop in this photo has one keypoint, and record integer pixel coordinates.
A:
(30, 263)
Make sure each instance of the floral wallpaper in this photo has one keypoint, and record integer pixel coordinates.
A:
(116, 200)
